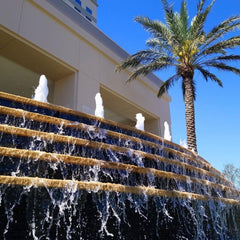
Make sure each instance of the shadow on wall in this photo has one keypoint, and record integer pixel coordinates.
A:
(121, 110)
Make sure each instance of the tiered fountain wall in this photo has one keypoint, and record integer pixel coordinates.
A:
(69, 175)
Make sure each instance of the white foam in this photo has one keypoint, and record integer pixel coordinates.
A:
(99, 111)
(140, 121)
(167, 134)
(41, 92)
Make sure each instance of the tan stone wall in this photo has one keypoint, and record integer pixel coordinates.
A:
(78, 60)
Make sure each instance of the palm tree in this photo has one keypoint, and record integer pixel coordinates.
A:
(187, 48)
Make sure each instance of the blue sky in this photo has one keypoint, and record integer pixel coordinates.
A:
(217, 109)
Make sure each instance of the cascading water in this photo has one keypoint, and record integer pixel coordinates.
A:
(64, 178)
(183, 143)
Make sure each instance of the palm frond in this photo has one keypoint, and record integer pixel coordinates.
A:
(200, 6)
(165, 4)
(173, 23)
(184, 19)
(167, 84)
(159, 64)
(141, 57)
(154, 27)
(222, 66)
(220, 30)
(156, 44)
(222, 46)
(197, 24)
(208, 75)
(128, 63)
(225, 58)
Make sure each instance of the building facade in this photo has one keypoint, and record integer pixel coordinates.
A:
(59, 38)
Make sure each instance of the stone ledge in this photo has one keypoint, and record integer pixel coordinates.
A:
(43, 156)
(110, 187)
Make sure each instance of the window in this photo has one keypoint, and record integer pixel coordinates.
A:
(89, 19)
(78, 1)
(89, 10)
(77, 9)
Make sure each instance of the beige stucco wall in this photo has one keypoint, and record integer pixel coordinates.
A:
(84, 61)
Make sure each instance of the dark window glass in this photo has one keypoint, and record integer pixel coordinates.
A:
(89, 10)
(78, 1)
(88, 18)
(77, 9)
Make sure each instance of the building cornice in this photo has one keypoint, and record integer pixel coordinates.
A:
(94, 2)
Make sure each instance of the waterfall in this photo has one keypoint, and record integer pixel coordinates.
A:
(65, 178)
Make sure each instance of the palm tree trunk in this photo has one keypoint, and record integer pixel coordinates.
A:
(190, 113)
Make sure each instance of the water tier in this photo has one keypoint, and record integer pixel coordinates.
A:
(69, 175)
